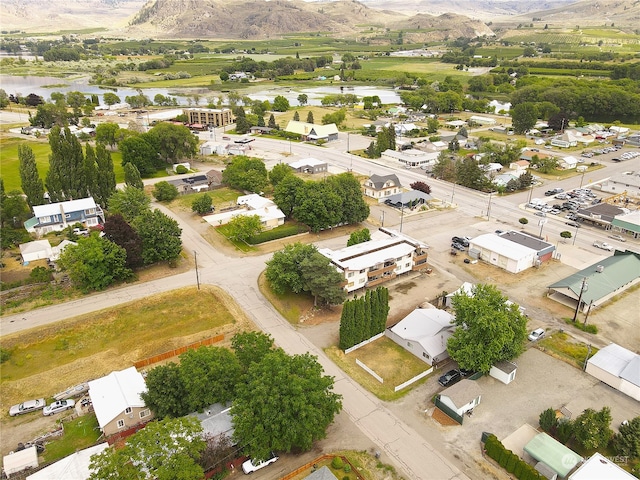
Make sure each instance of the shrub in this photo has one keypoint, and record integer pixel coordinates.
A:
(165, 192)
(40, 275)
(517, 471)
(511, 462)
(4, 355)
(337, 463)
(347, 468)
(181, 169)
(504, 458)
(564, 431)
(548, 420)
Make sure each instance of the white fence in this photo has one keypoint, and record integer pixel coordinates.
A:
(414, 379)
(362, 344)
(375, 375)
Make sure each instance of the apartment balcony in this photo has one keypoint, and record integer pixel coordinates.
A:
(378, 281)
(417, 259)
(381, 271)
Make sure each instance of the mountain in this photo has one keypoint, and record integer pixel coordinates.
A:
(427, 28)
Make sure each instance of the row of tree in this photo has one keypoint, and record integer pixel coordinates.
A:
(364, 317)
(279, 402)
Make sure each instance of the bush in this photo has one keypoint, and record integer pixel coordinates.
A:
(511, 462)
(337, 463)
(4, 355)
(165, 192)
(282, 231)
(40, 275)
(505, 455)
(564, 431)
(548, 420)
(347, 468)
(181, 169)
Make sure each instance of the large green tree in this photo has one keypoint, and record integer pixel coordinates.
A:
(283, 270)
(31, 182)
(132, 176)
(318, 206)
(108, 133)
(202, 204)
(136, 149)
(280, 104)
(287, 192)
(279, 172)
(94, 263)
(90, 169)
(160, 236)
(110, 98)
(347, 187)
(627, 441)
(489, 329)
(524, 117)
(242, 227)
(251, 347)
(322, 280)
(592, 429)
(130, 203)
(166, 393)
(165, 191)
(168, 449)
(286, 403)
(105, 182)
(173, 142)
(65, 179)
(246, 173)
(359, 236)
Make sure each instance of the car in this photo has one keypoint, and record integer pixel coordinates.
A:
(224, 137)
(603, 246)
(573, 224)
(27, 407)
(81, 231)
(466, 373)
(58, 406)
(250, 466)
(620, 238)
(449, 378)
(537, 334)
(467, 260)
(540, 214)
(458, 246)
(461, 240)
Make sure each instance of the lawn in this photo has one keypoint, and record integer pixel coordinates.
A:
(51, 358)
(80, 433)
(563, 346)
(222, 198)
(388, 359)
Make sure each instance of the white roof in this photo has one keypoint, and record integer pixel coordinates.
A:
(456, 123)
(569, 160)
(58, 249)
(368, 254)
(35, 247)
(598, 468)
(430, 327)
(304, 128)
(307, 162)
(66, 207)
(18, 461)
(265, 214)
(112, 394)
(254, 201)
(72, 467)
(506, 248)
(618, 361)
(466, 288)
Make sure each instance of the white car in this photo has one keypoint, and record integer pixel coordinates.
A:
(537, 334)
(57, 407)
(26, 407)
(249, 466)
(620, 238)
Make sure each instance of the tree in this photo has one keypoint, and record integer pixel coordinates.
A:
(130, 203)
(164, 450)
(627, 441)
(65, 179)
(242, 227)
(523, 221)
(524, 117)
(285, 404)
(454, 145)
(31, 182)
(335, 117)
(110, 98)
(105, 182)
(14, 209)
(90, 169)
(591, 428)
(173, 142)
(118, 231)
(286, 193)
(132, 176)
(353, 208)
(489, 329)
(137, 150)
(280, 104)
(165, 191)
(272, 122)
(283, 270)
(303, 98)
(421, 187)
(251, 347)
(559, 121)
(322, 280)
(160, 236)
(359, 236)
(202, 204)
(108, 133)
(548, 420)
(310, 117)
(166, 393)
(210, 375)
(278, 172)
(246, 173)
(94, 263)
(296, 116)
(318, 206)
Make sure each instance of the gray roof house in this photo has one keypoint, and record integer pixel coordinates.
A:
(382, 186)
(410, 199)
(605, 279)
(322, 474)
(216, 421)
(462, 397)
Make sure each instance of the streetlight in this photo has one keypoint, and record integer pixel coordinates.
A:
(453, 192)
(583, 288)
(575, 236)
(582, 179)
(489, 207)
(541, 223)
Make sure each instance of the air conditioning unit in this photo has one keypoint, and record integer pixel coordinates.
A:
(600, 268)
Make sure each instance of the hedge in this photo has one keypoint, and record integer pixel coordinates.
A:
(282, 231)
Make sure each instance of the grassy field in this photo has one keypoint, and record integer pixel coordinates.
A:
(221, 197)
(46, 360)
(79, 433)
(388, 359)
(564, 347)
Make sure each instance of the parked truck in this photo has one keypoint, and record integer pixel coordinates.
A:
(603, 246)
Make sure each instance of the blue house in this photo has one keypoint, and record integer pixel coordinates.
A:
(58, 216)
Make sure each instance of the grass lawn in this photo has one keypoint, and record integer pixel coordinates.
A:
(388, 359)
(221, 197)
(49, 359)
(79, 434)
(290, 305)
(562, 346)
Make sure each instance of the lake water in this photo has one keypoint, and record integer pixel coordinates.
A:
(44, 86)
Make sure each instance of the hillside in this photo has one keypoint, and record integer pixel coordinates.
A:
(427, 28)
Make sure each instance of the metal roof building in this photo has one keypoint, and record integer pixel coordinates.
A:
(553, 454)
(502, 252)
(618, 367)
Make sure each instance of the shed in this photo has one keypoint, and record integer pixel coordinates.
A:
(309, 165)
(552, 453)
(36, 250)
(504, 371)
(18, 461)
(71, 467)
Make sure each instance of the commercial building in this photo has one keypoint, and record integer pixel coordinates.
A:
(617, 367)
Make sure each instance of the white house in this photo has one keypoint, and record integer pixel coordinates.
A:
(404, 128)
(42, 249)
(424, 332)
(617, 367)
(462, 397)
(58, 216)
(117, 402)
(253, 204)
(382, 186)
(480, 120)
(384, 257)
(519, 167)
(21, 460)
(568, 162)
(502, 253)
(411, 158)
(71, 467)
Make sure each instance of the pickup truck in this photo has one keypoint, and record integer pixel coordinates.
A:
(603, 246)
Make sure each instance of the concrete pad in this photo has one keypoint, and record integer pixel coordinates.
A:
(517, 440)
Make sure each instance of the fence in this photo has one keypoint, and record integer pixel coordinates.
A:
(322, 458)
(446, 409)
(368, 370)
(177, 351)
(363, 343)
(414, 379)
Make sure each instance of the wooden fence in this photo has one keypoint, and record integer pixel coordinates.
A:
(322, 458)
(177, 351)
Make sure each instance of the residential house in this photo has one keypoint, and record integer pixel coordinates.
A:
(71, 467)
(382, 186)
(209, 117)
(519, 167)
(253, 204)
(257, 130)
(42, 249)
(117, 402)
(409, 200)
(503, 179)
(323, 473)
(547, 450)
(198, 183)
(599, 467)
(311, 131)
(467, 289)
(388, 254)
(402, 129)
(617, 367)
(462, 397)
(568, 162)
(216, 421)
(455, 123)
(58, 216)
(480, 120)
(424, 333)
(607, 278)
(309, 165)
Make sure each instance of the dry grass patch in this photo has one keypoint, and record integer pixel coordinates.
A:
(388, 359)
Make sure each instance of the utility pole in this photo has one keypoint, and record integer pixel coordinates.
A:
(583, 288)
(489, 207)
(195, 257)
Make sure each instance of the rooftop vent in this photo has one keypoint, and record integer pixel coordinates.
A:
(600, 268)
